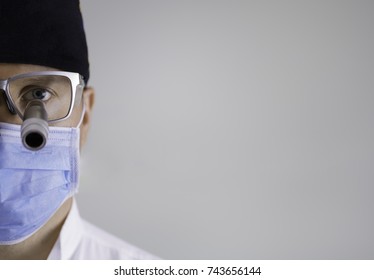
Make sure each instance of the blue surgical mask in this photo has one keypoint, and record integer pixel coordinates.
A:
(33, 185)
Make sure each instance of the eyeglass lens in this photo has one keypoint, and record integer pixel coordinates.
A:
(53, 90)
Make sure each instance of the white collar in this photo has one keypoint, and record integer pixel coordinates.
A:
(70, 236)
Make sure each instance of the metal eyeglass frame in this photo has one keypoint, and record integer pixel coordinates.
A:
(76, 82)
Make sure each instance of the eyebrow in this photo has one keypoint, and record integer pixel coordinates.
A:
(40, 78)
(22, 82)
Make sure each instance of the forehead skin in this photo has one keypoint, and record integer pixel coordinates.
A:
(8, 69)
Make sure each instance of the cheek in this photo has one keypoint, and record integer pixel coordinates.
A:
(73, 120)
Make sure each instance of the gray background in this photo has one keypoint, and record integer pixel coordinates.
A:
(232, 129)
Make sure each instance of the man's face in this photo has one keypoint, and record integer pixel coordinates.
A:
(9, 70)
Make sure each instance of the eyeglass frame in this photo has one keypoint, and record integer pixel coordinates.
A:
(76, 82)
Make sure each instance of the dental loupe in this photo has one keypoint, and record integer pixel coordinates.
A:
(34, 129)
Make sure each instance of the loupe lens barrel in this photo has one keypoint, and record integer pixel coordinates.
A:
(34, 129)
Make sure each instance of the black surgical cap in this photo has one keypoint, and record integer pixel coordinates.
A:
(44, 32)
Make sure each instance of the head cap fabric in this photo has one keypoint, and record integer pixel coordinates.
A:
(44, 32)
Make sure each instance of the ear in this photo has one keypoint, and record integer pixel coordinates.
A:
(89, 100)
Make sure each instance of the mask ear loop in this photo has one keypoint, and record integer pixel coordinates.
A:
(82, 115)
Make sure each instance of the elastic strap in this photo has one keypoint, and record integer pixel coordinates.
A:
(82, 115)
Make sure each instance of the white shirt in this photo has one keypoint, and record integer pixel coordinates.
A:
(80, 240)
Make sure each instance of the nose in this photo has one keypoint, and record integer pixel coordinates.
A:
(7, 112)
(7, 102)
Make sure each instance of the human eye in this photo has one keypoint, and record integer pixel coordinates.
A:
(38, 93)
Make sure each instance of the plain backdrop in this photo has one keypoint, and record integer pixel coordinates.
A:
(232, 129)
